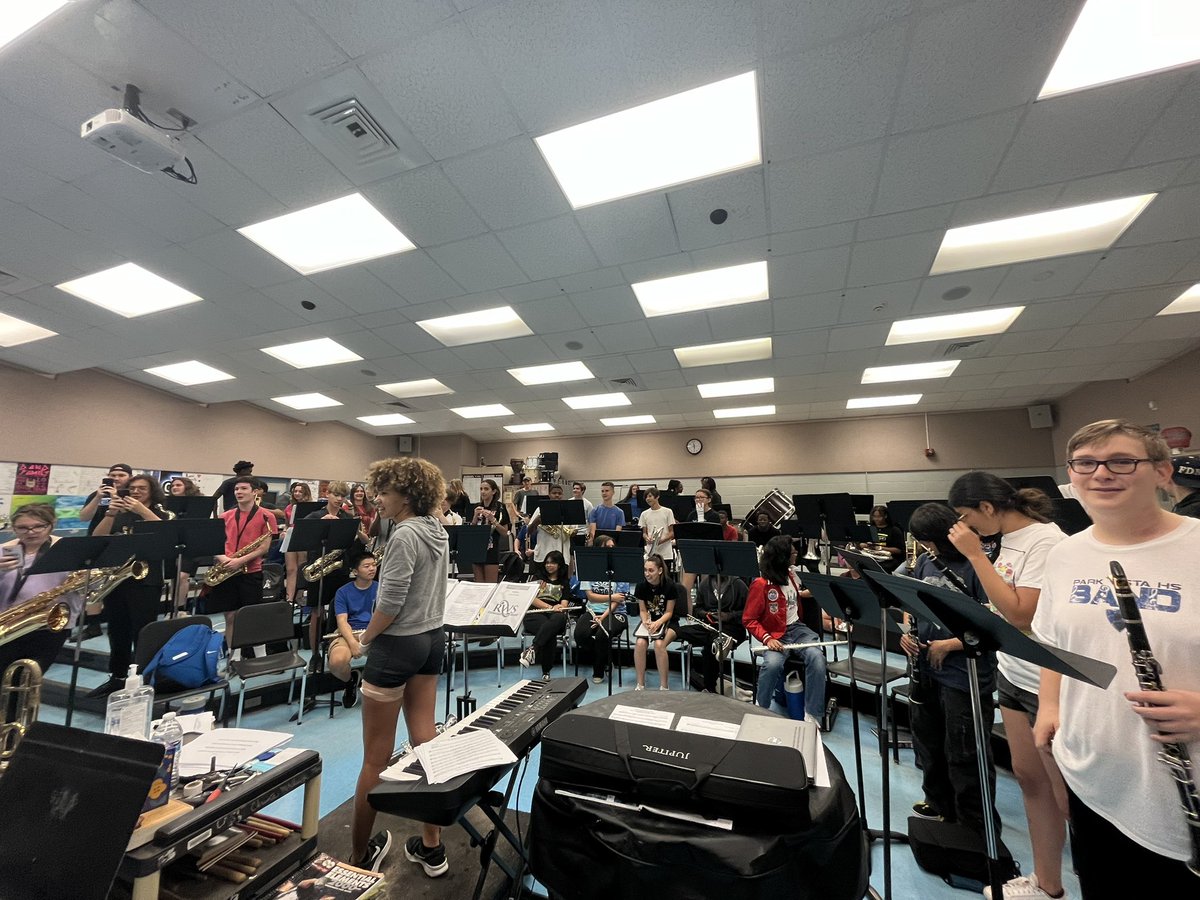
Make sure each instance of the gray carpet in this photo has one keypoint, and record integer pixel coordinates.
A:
(406, 879)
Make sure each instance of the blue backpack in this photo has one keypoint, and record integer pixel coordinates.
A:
(190, 658)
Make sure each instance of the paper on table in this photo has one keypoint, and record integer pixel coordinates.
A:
(655, 717)
(231, 746)
(710, 727)
(462, 753)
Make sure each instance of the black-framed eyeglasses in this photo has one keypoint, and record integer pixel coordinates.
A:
(1124, 465)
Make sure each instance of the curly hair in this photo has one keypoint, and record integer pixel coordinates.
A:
(776, 559)
(305, 491)
(417, 479)
(157, 496)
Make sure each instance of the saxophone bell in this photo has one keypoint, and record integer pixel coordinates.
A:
(323, 565)
(164, 513)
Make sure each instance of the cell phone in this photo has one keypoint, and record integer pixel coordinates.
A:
(10, 551)
(108, 482)
(122, 492)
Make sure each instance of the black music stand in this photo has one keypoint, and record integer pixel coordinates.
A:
(191, 507)
(466, 704)
(626, 537)
(185, 537)
(611, 564)
(1069, 515)
(857, 602)
(735, 559)
(306, 508)
(900, 511)
(982, 631)
(562, 512)
(863, 503)
(468, 546)
(829, 518)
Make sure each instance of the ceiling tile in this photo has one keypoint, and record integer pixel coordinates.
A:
(822, 190)
(478, 264)
(630, 229)
(415, 276)
(741, 194)
(425, 206)
(549, 249)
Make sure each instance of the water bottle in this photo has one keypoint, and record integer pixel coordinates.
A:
(692, 602)
(168, 733)
(130, 709)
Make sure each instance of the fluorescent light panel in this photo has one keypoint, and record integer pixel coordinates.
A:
(425, 387)
(189, 373)
(529, 429)
(310, 354)
(872, 402)
(597, 401)
(329, 235)
(737, 388)
(1188, 301)
(306, 401)
(552, 373)
(482, 412)
(744, 412)
(910, 372)
(18, 18)
(711, 289)
(1117, 39)
(386, 419)
(1058, 232)
(723, 354)
(14, 331)
(705, 131)
(957, 325)
(475, 327)
(129, 290)
(628, 420)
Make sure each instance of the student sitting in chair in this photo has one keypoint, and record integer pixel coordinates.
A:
(352, 607)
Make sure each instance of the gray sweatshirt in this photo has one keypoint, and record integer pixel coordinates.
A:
(412, 585)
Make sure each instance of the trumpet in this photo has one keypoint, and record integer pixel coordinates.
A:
(220, 572)
(164, 513)
(323, 565)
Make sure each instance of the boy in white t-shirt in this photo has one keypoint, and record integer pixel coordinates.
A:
(1128, 830)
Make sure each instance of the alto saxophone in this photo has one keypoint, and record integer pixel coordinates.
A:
(49, 610)
(323, 565)
(221, 571)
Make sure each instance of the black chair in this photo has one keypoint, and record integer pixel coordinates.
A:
(867, 670)
(152, 638)
(268, 623)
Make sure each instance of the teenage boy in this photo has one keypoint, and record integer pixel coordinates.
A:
(607, 516)
(244, 524)
(321, 591)
(1184, 487)
(243, 468)
(1128, 831)
(352, 608)
(578, 489)
(96, 504)
(658, 528)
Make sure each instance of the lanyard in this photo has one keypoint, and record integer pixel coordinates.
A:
(237, 517)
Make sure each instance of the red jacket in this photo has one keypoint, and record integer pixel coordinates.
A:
(766, 608)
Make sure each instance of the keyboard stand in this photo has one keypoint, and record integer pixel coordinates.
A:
(494, 805)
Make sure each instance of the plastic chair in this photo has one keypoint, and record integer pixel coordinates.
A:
(267, 623)
(151, 639)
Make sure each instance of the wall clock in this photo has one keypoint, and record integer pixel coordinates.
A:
(694, 446)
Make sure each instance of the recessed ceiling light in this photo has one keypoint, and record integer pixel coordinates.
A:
(425, 387)
(129, 290)
(1114, 39)
(1058, 232)
(18, 18)
(474, 327)
(1188, 301)
(723, 354)
(482, 412)
(596, 401)
(712, 289)
(14, 331)
(329, 235)
(552, 373)
(386, 419)
(911, 372)
(306, 401)
(743, 412)
(189, 373)
(737, 388)
(309, 354)
(870, 402)
(526, 429)
(705, 131)
(628, 420)
(958, 325)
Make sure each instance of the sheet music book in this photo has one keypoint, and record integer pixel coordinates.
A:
(471, 604)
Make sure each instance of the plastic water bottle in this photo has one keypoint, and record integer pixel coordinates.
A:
(130, 710)
(169, 733)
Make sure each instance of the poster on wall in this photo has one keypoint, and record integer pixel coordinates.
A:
(32, 478)
(65, 480)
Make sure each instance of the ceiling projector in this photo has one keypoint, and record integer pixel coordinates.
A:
(129, 139)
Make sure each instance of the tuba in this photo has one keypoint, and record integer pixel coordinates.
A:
(220, 572)
(323, 565)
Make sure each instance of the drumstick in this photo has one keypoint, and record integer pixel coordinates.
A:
(227, 873)
(271, 820)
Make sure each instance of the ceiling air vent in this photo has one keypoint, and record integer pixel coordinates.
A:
(349, 125)
(959, 346)
(625, 384)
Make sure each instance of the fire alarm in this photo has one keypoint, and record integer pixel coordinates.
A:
(930, 453)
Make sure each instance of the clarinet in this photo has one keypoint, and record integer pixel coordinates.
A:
(1149, 676)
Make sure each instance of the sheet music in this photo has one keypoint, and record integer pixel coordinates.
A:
(476, 603)
(710, 727)
(654, 717)
(462, 753)
(466, 601)
(231, 746)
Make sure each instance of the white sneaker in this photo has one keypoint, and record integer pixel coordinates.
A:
(639, 687)
(527, 657)
(1026, 886)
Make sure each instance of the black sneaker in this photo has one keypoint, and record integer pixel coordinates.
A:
(377, 850)
(103, 690)
(350, 694)
(431, 859)
(927, 811)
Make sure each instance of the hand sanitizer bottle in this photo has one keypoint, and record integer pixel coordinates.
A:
(130, 709)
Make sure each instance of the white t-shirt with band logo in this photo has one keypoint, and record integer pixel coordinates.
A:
(1021, 563)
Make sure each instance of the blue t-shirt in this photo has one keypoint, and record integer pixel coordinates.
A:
(356, 605)
(607, 518)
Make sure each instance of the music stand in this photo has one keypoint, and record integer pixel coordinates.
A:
(858, 603)
(982, 631)
(736, 559)
(829, 518)
(612, 564)
(1043, 483)
(562, 512)
(900, 511)
(306, 508)
(1069, 515)
(190, 507)
(468, 545)
(863, 503)
(626, 537)
(186, 537)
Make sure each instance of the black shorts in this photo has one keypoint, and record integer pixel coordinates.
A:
(235, 592)
(393, 659)
(1016, 698)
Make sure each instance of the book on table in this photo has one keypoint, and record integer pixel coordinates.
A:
(325, 877)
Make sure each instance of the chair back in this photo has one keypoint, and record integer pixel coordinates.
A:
(153, 636)
(263, 623)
